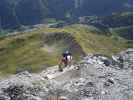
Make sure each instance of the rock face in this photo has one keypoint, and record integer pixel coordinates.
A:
(96, 77)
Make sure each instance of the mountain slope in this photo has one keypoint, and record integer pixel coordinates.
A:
(118, 19)
(30, 12)
(102, 7)
(42, 47)
(125, 32)
(15, 13)
(94, 77)
(119, 24)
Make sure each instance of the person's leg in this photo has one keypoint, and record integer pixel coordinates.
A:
(65, 63)
(70, 63)
(60, 66)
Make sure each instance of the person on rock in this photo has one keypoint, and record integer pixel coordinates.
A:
(66, 60)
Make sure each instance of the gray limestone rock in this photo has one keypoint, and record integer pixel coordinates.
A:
(96, 78)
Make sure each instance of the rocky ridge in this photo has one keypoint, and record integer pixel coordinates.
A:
(96, 77)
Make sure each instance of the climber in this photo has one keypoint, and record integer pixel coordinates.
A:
(66, 60)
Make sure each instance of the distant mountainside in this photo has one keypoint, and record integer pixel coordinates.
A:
(125, 32)
(102, 7)
(14, 13)
(118, 19)
(120, 24)
(21, 12)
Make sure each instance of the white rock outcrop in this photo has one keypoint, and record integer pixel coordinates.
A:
(96, 77)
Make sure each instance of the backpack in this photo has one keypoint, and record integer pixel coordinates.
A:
(67, 56)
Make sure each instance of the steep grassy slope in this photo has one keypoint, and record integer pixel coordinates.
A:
(42, 47)
(91, 39)
(125, 32)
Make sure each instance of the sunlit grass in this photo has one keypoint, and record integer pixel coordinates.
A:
(28, 50)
